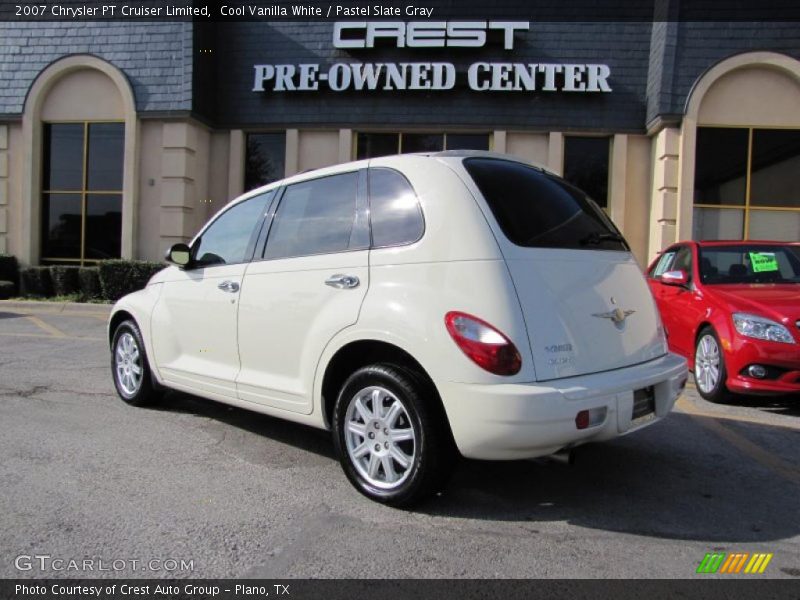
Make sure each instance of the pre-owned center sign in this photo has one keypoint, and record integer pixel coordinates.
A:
(481, 76)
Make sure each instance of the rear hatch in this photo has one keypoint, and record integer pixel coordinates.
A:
(586, 304)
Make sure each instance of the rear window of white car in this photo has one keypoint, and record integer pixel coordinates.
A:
(538, 210)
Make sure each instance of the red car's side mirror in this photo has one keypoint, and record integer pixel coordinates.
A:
(679, 278)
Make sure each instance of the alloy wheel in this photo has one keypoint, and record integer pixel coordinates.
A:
(379, 437)
(707, 364)
(128, 364)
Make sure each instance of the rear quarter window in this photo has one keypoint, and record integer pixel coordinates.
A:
(536, 209)
(395, 214)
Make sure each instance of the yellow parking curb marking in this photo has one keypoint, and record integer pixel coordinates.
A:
(687, 406)
(53, 331)
(60, 313)
(50, 337)
(754, 451)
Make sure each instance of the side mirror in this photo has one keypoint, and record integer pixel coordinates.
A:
(179, 254)
(678, 278)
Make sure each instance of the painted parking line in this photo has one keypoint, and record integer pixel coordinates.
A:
(754, 451)
(47, 336)
(66, 313)
(687, 406)
(85, 315)
(53, 331)
(718, 413)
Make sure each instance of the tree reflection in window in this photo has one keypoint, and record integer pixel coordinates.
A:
(265, 158)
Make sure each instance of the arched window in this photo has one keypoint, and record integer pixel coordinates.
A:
(81, 122)
(741, 143)
(82, 190)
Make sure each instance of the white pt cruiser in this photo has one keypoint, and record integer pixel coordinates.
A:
(418, 306)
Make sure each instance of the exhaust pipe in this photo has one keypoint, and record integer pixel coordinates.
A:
(564, 457)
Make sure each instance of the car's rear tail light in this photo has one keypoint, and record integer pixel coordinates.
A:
(483, 344)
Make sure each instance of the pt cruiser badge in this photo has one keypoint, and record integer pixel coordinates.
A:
(617, 315)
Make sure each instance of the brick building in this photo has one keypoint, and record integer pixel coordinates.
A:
(121, 138)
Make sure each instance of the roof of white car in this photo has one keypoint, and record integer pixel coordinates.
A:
(354, 165)
(485, 154)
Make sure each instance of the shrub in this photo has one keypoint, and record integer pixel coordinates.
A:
(6, 289)
(65, 280)
(35, 281)
(9, 270)
(120, 277)
(89, 283)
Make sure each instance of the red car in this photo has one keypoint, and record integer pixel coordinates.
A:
(733, 310)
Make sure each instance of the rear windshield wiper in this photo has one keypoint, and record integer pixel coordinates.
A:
(595, 238)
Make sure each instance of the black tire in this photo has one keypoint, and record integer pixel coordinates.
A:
(141, 390)
(432, 449)
(717, 392)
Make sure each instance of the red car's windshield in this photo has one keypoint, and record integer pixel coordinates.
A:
(749, 263)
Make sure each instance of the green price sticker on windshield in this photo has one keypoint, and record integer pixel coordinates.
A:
(763, 262)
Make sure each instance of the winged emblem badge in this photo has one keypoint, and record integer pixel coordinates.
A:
(617, 316)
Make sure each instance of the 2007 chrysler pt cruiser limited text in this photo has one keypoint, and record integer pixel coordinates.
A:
(418, 306)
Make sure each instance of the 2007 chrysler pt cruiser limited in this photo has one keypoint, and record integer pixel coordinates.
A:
(418, 306)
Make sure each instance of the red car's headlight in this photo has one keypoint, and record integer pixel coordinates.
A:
(761, 328)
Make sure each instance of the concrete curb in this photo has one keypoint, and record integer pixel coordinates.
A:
(35, 306)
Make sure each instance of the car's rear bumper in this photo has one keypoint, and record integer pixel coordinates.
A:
(514, 421)
(781, 360)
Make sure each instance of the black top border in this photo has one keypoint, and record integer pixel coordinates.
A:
(404, 10)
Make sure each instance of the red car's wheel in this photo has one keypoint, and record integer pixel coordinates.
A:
(709, 367)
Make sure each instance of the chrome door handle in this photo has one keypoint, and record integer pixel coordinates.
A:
(342, 281)
(229, 286)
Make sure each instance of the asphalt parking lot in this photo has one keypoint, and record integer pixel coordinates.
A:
(237, 494)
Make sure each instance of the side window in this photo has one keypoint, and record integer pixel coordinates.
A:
(395, 213)
(663, 264)
(314, 217)
(787, 268)
(228, 239)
